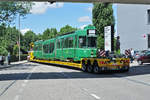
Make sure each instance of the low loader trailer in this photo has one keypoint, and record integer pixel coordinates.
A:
(92, 65)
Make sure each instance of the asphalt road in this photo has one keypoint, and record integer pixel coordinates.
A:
(33, 81)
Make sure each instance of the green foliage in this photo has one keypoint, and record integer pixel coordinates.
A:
(14, 58)
(102, 16)
(15, 50)
(28, 38)
(66, 29)
(49, 33)
(46, 34)
(39, 36)
(10, 9)
(3, 51)
(100, 42)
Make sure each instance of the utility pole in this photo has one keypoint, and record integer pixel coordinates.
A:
(19, 37)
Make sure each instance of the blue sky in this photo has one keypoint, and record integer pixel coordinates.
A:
(45, 15)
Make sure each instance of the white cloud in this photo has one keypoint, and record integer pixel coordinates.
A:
(23, 31)
(82, 27)
(90, 9)
(41, 7)
(84, 19)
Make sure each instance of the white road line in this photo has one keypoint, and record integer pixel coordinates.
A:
(25, 81)
(16, 97)
(28, 77)
(95, 96)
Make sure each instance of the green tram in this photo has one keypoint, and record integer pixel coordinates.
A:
(68, 47)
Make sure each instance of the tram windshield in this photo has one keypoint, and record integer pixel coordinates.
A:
(92, 41)
(87, 42)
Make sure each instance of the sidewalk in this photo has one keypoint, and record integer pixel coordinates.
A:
(12, 64)
(135, 63)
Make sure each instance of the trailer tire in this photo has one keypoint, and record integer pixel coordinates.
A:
(95, 68)
(89, 67)
(126, 70)
(84, 67)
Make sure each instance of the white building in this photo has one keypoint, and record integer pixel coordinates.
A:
(133, 26)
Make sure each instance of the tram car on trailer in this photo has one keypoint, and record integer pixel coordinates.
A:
(68, 47)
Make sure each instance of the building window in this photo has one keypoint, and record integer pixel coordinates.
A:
(148, 16)
(148, 40)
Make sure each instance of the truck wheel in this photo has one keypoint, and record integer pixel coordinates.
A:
(96, 68)
(126, 70)
(84, 68)
(89, 68)
(140, 62)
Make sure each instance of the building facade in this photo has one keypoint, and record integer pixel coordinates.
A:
(133, 26)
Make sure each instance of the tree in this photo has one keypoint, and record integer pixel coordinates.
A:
(49, 33)
(28, 38)
(11, 37)
(46, 34)
(102, 16)
(3, 51)
(67, 29)
(53, 32)
(39, 36)
(10, 9)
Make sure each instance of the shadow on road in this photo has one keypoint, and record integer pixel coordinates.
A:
(22, 66)
(135, 70)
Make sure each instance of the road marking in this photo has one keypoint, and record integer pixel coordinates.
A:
(7, 87)
(16, 97)
(25, 81)
(28, 77)
(95, 96)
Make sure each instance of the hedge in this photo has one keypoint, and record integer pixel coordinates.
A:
(14, 58)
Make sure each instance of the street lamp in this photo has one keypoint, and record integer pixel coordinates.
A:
(19, 37)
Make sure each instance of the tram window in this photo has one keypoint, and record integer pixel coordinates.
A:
(40, 46)
(92, 41)
(66, 43)
(62, 43)
(44, 48)
(34, 48)
(75, 45)
(47, 49)
(70, 41)
(58, 44)
(82, 41)
(51, 47)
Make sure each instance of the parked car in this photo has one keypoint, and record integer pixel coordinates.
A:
(137, 54)
(144, 58)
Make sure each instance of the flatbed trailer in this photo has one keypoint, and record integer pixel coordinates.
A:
(95, 65)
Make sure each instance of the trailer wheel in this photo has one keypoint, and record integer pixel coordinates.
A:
(127, 69)
(89, 67)
(84, 68)
(96, 68)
